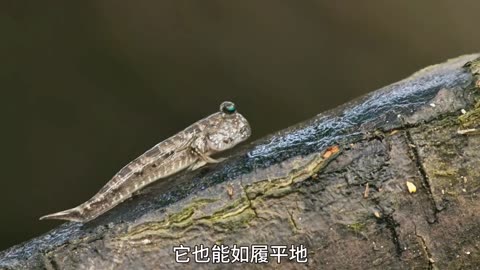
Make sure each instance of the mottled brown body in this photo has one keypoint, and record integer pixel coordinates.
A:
(190, 148)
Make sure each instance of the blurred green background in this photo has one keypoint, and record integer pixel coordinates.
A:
(89, 85)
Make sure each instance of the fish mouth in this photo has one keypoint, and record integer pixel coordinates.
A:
(246, 132)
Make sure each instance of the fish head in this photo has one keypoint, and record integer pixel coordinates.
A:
(227, 128)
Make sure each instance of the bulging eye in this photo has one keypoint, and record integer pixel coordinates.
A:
(228, 107)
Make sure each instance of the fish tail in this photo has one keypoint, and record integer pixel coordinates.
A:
(73, 214)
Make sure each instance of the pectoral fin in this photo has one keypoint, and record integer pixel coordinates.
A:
(197, 165)
(208, 159)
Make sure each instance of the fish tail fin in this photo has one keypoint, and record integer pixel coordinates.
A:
(73, 214)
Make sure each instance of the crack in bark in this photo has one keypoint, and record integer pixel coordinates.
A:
(431, 261)
(423, 173)
(391, 225)
(244, 190)
(292, 220)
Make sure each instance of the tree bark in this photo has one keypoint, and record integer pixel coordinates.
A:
(336, 184)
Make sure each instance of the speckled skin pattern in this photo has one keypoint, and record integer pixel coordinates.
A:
(188, 149)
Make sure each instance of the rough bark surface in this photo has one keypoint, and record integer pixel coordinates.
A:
(335, 183)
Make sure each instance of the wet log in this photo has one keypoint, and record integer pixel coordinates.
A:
(335, 187)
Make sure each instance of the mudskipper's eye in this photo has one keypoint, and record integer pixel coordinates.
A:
(228, 107)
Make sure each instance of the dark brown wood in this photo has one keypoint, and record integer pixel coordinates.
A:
(336, 184)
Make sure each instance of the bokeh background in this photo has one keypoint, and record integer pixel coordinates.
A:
(86, 86)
